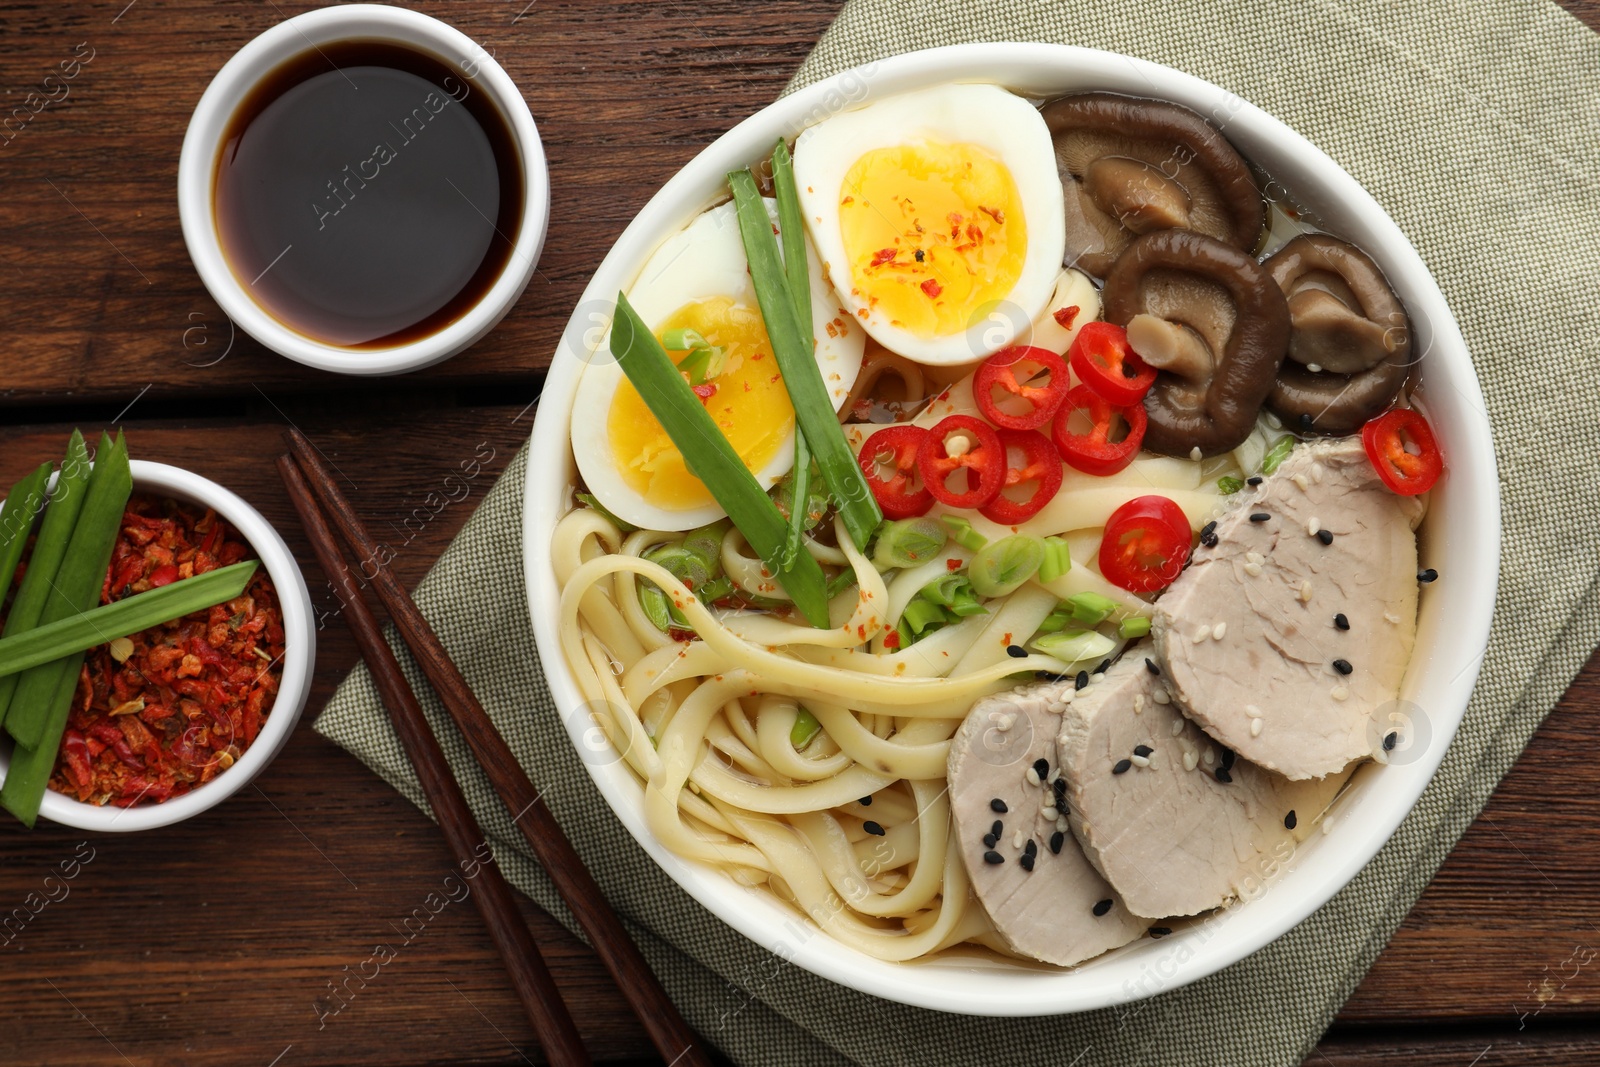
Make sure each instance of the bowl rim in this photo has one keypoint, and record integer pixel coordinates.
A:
(300, 653)
(244, 70)
(1361, 821)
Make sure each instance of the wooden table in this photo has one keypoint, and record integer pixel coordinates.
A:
(208, 943)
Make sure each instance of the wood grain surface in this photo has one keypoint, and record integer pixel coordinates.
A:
(211, 942)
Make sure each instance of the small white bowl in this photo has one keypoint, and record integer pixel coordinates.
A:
(1461, 539)
(300, 655)
(253, 62)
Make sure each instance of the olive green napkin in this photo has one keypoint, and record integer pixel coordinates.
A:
(1473, 124)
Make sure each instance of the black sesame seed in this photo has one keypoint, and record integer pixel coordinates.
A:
(865, 802)
(1082, 681)
(1159, 932)
(1389, 740)
(1150, 666)
(1341, 622)
(990, 840)
(1031, 848)
(1228, 756)
(1259, 516)
(998, 828)
(1121, 766)
(1223, 776)
(1057, 839)
(1102, 907)
(1426, 576)
(920, 255)
(1041, 767)
(1142, 750)
(998, 806)
(1305, 421)
(1209, 528)
(873, 828)
(1016, 651)
(1254, 479)
(1342, 666)
(1060, 788)
(1026, 861)
(1291, 820)
(1325, 536)
(992, 857)
(1101, 669)
(1209, 540)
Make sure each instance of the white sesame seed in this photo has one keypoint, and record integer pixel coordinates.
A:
(1392, 617)
(1313, 525)
(1255, 727)
(1161, 696)
(1305, 591)
(1097, 676)
(1254, 557)
(1253, 569)
(1339, 692)
(1201, 634)
(1327, 825)
(1209, 756)
(1274, 422)
(1191, 759)
(1031, 776)
(1177, 727)
(1380, 755)
(1219, 631)
(1138, 703)
(1140, 761)
(1195, 454)
(1005, 722)
(1048, 811)
(1017, 839)
(1314, 368)
(1061, 823)
(1316, 472)
(1254, 711)
(1300, 480)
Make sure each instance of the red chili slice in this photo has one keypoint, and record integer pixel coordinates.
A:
(1144, 544)
(1002, 370)
(1041, 464)
(1094, 452)
(1102, 360)
(1390, 440)
(895, 447)
(983, 458)
(164, 575)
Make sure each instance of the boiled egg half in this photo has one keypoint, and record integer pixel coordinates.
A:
(699, 280)
(932, 210)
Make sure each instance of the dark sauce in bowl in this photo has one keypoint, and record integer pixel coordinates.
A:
(367, 194)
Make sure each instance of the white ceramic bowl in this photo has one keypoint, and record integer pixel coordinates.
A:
(300, 655)
(373, 22)
(1461, 539)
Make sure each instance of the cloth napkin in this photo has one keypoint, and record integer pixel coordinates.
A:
(1473, 124)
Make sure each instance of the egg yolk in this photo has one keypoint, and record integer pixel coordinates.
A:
(747, 401)
(934, 233)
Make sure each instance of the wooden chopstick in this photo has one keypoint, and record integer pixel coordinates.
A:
(668, 1031)
(535, 988)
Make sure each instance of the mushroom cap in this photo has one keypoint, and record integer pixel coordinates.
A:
(1131, 166)
(1348, 324)
(1222, 327)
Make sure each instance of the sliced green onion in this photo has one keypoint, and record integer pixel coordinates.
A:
(16, 522)
(706, 542)
(130, 615)
(1133, 626)
(1227, 485)
(963, 533)
(805, 729)
(709, 457)
(1057, 559)
(908, 542)
(920, 614)
(795, 350)
(1000, 567)
(1091, 609)
(715, 589)
(75, 589)
(49, 548)
(799, 483)
(840, 582)
(953, 591)
(686, 566)
(655, 604)
(1070, 646)
(1057, 620)
(1277, 454)
(592, 501)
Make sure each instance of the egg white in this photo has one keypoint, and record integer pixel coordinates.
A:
(988, 116)
(703, 261)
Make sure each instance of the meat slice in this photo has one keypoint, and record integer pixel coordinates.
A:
(1060, 911)
(1293, 624)
(1175, 822)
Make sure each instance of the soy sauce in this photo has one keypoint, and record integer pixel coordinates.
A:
(367, 194)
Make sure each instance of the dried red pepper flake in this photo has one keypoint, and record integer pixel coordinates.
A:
(932, 289)
(882, 256)
(1066, 316)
